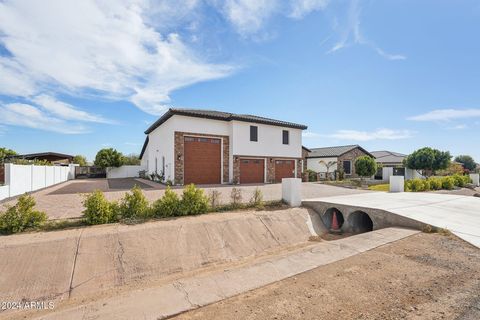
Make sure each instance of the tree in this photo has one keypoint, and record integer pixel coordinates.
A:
(328, 165)
(80, 160)
(365, 166)
(108, 158)
(428, 160)
(131, 160)
(5, 153)
(467, 162)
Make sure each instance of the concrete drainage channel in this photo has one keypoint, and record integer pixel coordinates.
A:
(354, 220)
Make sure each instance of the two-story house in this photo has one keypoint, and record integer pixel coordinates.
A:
(213, 147)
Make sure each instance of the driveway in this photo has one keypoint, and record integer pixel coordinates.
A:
(65, 200)
(457, 213)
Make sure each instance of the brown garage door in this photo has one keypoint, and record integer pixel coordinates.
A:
(202, 160)
(252, 170)
(284, 169)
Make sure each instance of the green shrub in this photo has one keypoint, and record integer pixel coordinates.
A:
(312, 175)
(435, 183)
(193, 201)
(168, 205)
(22, 216)
(461, 181)
(134, 205)
(257, 198)
(418, 185)
(448, 183)
(98, 210)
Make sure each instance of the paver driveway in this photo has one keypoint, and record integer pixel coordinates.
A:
(65, 200)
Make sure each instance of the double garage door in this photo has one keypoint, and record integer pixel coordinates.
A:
(253, 170)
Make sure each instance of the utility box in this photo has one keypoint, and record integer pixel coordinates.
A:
(292, 191)
(475, 179)
(397, 184)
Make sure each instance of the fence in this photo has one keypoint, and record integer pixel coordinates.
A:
(26, 178)
(124, 172)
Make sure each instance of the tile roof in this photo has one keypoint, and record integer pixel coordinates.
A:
(388, 156)
(333, 151)
(223, 116)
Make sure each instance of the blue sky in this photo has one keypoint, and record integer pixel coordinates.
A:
(76, 77)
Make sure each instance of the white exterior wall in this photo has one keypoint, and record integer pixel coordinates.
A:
(124, 172)
(315, 165)
(269, 142)
(161, 140)
(27, 178)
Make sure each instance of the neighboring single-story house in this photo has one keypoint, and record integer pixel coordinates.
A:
(337, 157)
(212, 147)
(53, 157)
(391, 164)
(305, 152)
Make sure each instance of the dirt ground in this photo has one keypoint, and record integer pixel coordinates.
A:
(426, 276)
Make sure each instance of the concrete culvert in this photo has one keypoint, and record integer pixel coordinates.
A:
(328, 216)
(360, 222)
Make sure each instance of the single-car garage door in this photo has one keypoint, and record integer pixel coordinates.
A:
(202, 160)
(284, 169)
(252, 170)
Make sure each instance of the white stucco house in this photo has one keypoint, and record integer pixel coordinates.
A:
(391, 164)
(212, 147)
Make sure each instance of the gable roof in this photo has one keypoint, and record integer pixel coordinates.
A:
(388, 156)
(337, 151)
(42, 154)
(222, 116)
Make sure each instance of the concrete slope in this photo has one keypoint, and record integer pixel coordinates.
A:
(83, 263)
(192, 292)
(459, 214)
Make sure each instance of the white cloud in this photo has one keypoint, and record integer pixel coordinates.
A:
(447, 115)
(65, 110)
(350, 33)
(20, 114)
(380, 134)
(459, 127)
(248, 16)
(301, 8)
(94, 48)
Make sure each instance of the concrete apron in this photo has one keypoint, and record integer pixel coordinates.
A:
(197, 291)
(458, 214)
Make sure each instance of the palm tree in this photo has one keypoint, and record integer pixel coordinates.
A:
(328, 165)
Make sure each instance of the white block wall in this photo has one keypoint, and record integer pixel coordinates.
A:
(124, 172)
(27, 178)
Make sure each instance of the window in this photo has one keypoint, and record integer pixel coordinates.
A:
(347, 166)
(285, 136)
(253, 133)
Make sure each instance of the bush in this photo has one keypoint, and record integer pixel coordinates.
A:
(98, 210)
(417, 185)
(435, 183)
(168, 205)
(312, 175)
(193, 201)
(22, 216)
(365, 166)
(134, 205)
(236, 197)
(257, 198)
(461, 181)
(448, 183)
